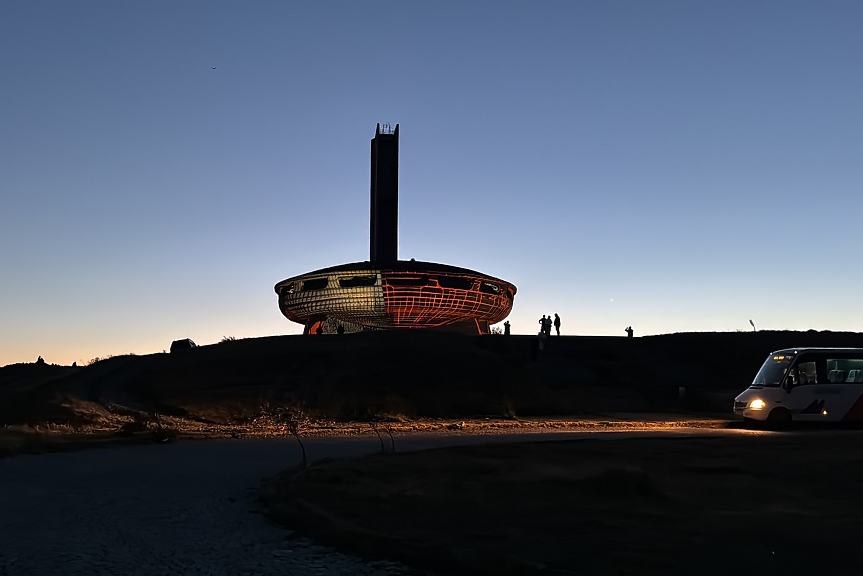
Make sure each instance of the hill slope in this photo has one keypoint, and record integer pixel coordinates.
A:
(413, 373)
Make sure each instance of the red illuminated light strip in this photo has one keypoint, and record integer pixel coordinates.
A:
(430, 305)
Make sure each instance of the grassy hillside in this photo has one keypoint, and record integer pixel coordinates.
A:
(416, 373)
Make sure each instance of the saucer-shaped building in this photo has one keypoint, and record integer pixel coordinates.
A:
(386, 292)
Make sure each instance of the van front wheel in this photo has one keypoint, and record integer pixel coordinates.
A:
(778, 419)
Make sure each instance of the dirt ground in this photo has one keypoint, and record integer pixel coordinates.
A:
(744, 502)
(109, 429)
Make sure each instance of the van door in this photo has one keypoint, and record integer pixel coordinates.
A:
(813, 399)
(826, 390)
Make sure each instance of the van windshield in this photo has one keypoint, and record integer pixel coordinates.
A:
(773, 370)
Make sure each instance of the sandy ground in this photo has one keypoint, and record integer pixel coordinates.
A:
(730, 501)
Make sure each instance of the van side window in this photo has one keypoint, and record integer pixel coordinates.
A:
(847, 370)
(807, 373)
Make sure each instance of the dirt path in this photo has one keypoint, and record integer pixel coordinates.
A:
(188, 507)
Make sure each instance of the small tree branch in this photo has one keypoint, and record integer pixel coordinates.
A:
(374, 426)
(389, 430)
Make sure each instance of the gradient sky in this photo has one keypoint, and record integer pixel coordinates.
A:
(673, 165)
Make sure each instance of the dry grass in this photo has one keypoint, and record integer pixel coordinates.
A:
(100, 425)
(778, 504)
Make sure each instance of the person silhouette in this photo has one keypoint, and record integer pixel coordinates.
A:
(542, 324)
(557, 323)
(628, 331)
(506, 328)
(548, 325)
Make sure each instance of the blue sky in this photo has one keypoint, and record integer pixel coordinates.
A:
(670, 165)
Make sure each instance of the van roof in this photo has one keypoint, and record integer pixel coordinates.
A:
(816, 349)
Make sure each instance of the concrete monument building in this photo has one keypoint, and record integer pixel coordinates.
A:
(386, 292)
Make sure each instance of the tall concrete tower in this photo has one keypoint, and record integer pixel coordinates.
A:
(384, 234)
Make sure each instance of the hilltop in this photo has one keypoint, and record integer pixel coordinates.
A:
(403, 374)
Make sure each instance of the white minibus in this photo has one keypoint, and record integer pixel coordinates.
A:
(805, 385)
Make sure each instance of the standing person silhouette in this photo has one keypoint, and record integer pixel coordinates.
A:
(542, 324)
(506, 328)
(557, 323)
(628, 331)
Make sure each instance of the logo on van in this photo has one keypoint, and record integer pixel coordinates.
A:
(816, 407)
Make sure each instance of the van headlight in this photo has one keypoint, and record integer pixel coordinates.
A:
(756, 404)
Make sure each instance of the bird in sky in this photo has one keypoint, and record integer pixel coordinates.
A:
(212, 67)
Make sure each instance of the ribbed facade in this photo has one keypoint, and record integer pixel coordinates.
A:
(415, 295)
